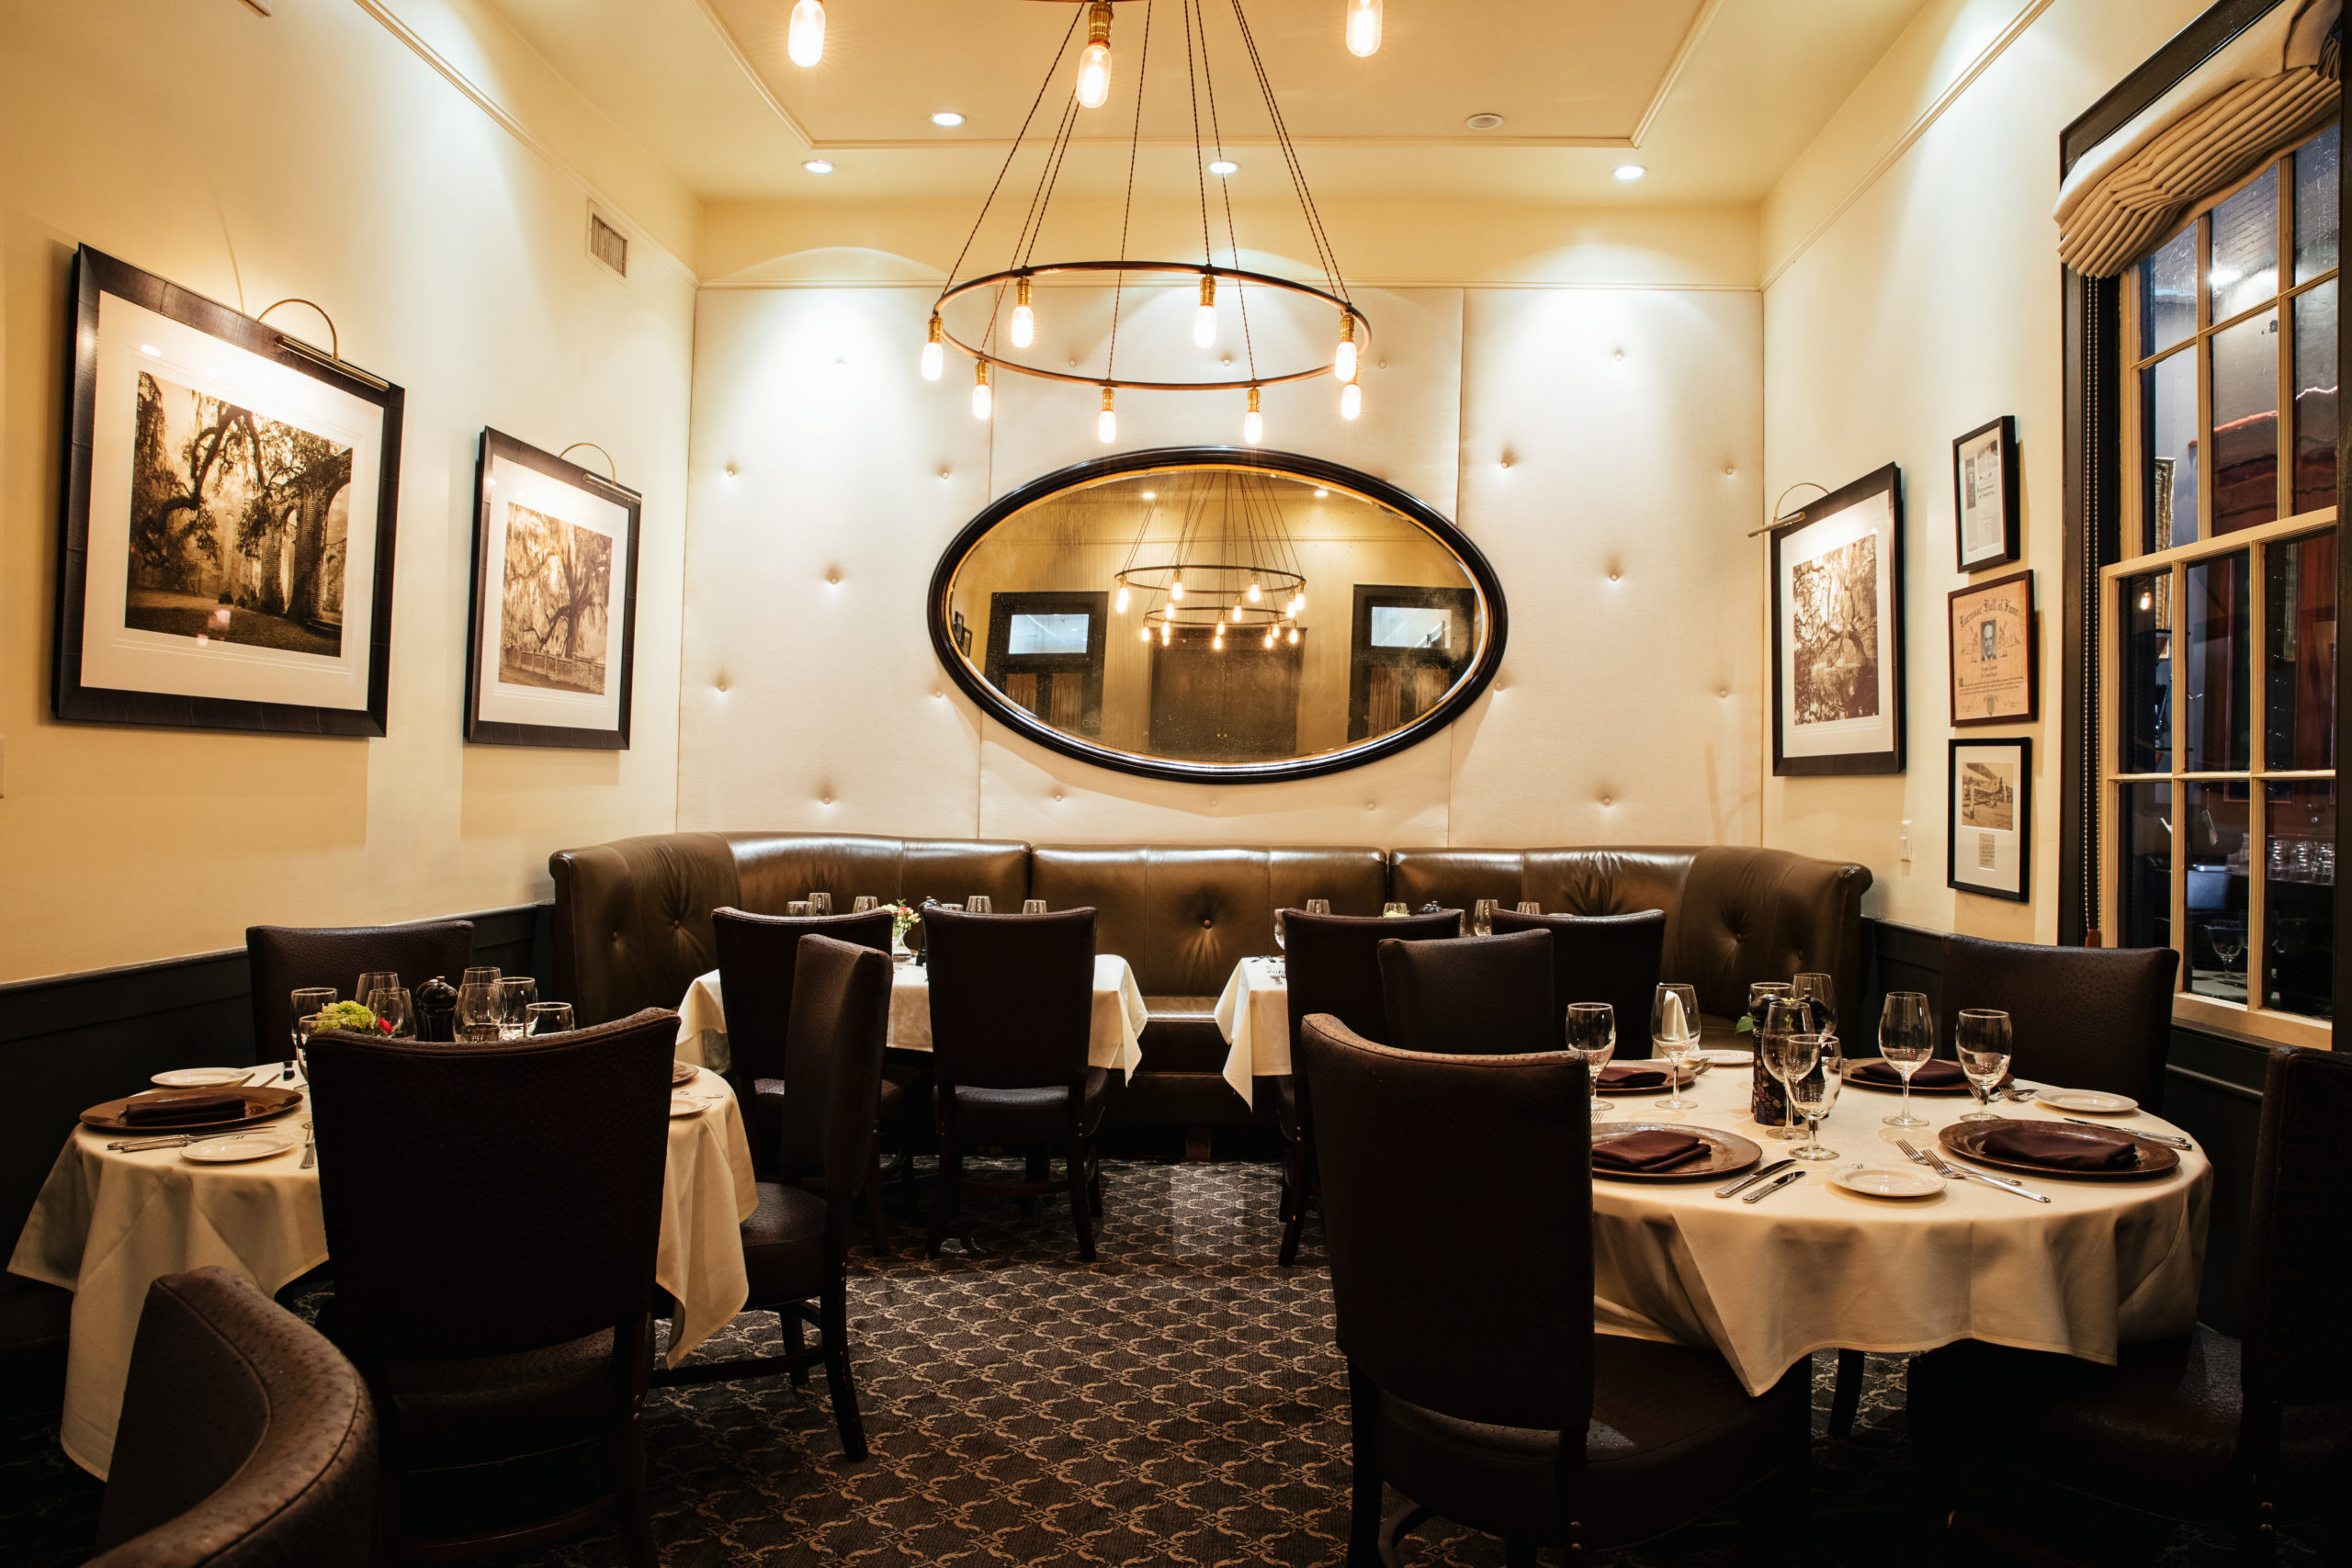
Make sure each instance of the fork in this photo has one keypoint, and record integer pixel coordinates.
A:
(1951, 1172)
(310, 1146)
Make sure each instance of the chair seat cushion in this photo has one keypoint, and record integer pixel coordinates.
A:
(492, 1408)
(1027, 1115)
(1672, 1434)
(1182, 1035)
(784, 1246)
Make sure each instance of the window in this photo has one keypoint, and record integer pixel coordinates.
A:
(1045, 652)
(1409, 645)
(2217, 764)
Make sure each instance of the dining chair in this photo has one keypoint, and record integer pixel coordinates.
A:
(756, 974)
(281, 960)
(1333, 962)
(1615, 959)
(1011, 1012)
(1457, 1214)
(1481, 996)
(2236, 1434)
(2079, 1017)
(493, 1212)
(246, 1438)
(795, 1246)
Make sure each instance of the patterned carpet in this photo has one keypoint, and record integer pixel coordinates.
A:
(1178, 1402)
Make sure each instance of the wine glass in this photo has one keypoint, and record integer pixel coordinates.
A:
(1907, 1038)
(1819, 994)
(516, 994)
(796, 909)
(546, 1018)
(1674, 1034)
(1033, 906)
(1318, 906)
(1282, 939)
(390, 1006)
(820, 903)
(1395, 912)
(1482, 917)
(478, 1010)
(308, 1002)
(1813, 1093)
(483, 975)
(864, 902)
(373, 981)
(2228, 945)
(1789, 1056)
(1530, 906)
(979, 904)
(1982, 1042)
(1591, 1038)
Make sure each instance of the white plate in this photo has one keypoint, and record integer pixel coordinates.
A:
(2087, 1100)
(1888, 1181)
(202, 1078)
(685, 1103)
(1727, 1058)
(682, 1073)
(243, 1146)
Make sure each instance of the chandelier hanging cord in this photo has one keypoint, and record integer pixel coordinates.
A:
(1014, 151)
(1233, 245)
(1200, 165)
(1134, 141)
(1320, 237)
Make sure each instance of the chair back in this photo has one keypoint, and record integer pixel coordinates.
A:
(757, 968)
(1616, 959)
(832, 1063)
(245, 1437)
(1471, 997)
(1012, 997)
(2079, 1017)
(1457, 1213)
(2298, 1272)
(483, 1200)
(1334, 963)
(282, 959)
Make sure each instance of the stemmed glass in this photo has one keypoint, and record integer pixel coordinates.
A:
(864, 902)
(1395, 912)
(546, 1018)
(308, 1002)
(373, 981)
(1033, 906)
(1789, 1056)
(1982, 1042)
(482, 974)
(796, 909)
(1674, 1032)
(1591, 1038)
(1318, 906)
(820, 903)
(2228, 945)
(1907, 1038)
(1773, 1013)
(516, 994)
(979, 904)
(1813, 1093)
(390, 1005)
(1530, 906)
(1482, 917)
(478, 1010)
(1282, 943)
(1819, 994)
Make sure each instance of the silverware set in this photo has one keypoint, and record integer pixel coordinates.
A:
(1951, 1172)
(170, 1140)
(2152, 1138)
(1753, 1176)
(1783, 1180)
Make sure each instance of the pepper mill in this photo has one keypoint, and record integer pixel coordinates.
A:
(436, 1010)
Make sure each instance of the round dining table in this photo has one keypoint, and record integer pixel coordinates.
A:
(109, 1221)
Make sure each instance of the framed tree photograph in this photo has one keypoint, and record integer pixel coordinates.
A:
(1837, 632)
(1988, 833)
(552, 627)
(225, 551)
(1984, 492)
(1996, 668)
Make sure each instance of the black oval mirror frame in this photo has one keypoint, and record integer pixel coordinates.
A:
(1495, 628)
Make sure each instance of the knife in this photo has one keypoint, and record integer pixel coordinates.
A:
(1753, 1176)
(1771, 1187)
(2152, 1138)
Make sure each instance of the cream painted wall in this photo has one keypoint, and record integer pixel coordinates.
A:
(320, 153)
(1913, 293)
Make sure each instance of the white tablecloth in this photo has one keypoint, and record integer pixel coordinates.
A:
(1254, 1016)
(108, 1224)
(1116, 1039)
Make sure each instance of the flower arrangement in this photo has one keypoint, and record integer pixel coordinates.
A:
(351, 1015)
(902, 919)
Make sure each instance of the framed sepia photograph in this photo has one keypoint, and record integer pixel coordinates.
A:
(225, 557)
(1985, 491)
(1988, 836)
(1995, 670)
(1837, 632)
(552, 627)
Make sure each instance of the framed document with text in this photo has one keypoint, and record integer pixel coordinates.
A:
(1988, 834)
(1996, 675)
(1985, 494)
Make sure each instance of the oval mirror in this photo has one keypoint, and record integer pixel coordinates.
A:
(1205, 614)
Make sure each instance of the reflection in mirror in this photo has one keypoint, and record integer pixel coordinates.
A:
(1216, 614)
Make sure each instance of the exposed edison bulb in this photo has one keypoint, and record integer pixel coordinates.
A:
(934, 353)
(1205, 319)
(1094, 61)
(1106, 423)
(1343, 363)
(1253, 423)
(1167, 631)
(1363, 29)
(982, 399)
(1298, 604)
(1176, 591)
(805, 41)
(1270, 637)
(2146, 599)
(1025, 320)
(1350, 400)
(1294, 637)
(1146, 634)
(1123, 599)
(1256, 593)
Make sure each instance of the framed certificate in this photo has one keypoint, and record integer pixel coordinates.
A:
(1985, 491)
(1988, 835)
(1995, 674)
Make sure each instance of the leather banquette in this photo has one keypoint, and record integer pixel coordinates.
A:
(633, 917)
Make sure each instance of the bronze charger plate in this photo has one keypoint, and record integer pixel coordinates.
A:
(1945, 1092)
(1727, 1153)
(1966, 1139)
(1684, 1080)
(261, 1105)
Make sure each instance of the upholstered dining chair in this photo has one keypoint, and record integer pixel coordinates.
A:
(2235, 1434)
(246, 1438)
(1615, 959)
(756, 970)
(1486, 996)
(795, 1244)
(1012, 1012)
(2079, 1017)
(282, 959)
(1457, 1214)
(493, 1212)
(1334, 966)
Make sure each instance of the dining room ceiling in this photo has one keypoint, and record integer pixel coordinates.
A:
(1712, 97)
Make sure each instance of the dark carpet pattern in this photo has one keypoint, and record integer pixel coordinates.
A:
(1178, 1402)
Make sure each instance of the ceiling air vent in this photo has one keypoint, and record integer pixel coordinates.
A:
(607, 244)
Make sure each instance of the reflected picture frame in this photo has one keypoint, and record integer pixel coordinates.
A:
(1988, 818)
(1985, 495)
(1836, 575)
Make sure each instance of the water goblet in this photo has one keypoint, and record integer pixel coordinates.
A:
(1530, 906)
(1907, 1038)
(979, 904)
(1282, 939)
(1591, 1038)
(482, 974)
(796, 909)
(1033, 906)
(1981, 1040)
(478, 1010)
(516, 994)
(1789, 1056)
(1482, 917)
(1674, 1035)
(1819, 994)
(390, 1006)
(864, 902)
(546, 1018)
(1395, 911)
(308, 1002)
(373, 981)
(1318, 906)
(820, 903)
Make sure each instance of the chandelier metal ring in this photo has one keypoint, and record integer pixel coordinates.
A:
(1160, 578)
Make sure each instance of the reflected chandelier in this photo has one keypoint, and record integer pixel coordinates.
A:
(1238, 571)
(992, 343)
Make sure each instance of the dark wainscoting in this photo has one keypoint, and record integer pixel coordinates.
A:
(71, 1041)
(2213, 1090)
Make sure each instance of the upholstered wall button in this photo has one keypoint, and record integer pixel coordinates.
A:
(1206, 922)
(720, 684)
(833, 576)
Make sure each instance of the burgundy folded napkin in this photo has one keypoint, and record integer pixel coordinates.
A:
(1648, 1151)
(172, 1110)
(1928, 1074)
(2087, 1149)
(1633, 1075)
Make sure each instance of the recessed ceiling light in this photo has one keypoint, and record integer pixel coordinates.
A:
(151, 351)
(818, 165)
(1151, 495)
(1485, 122)
(1631, 171)
(1225, 166)
(1321, 493)
(947, 118)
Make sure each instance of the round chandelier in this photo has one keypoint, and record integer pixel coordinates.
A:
(1232, 570)
(992, 319)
